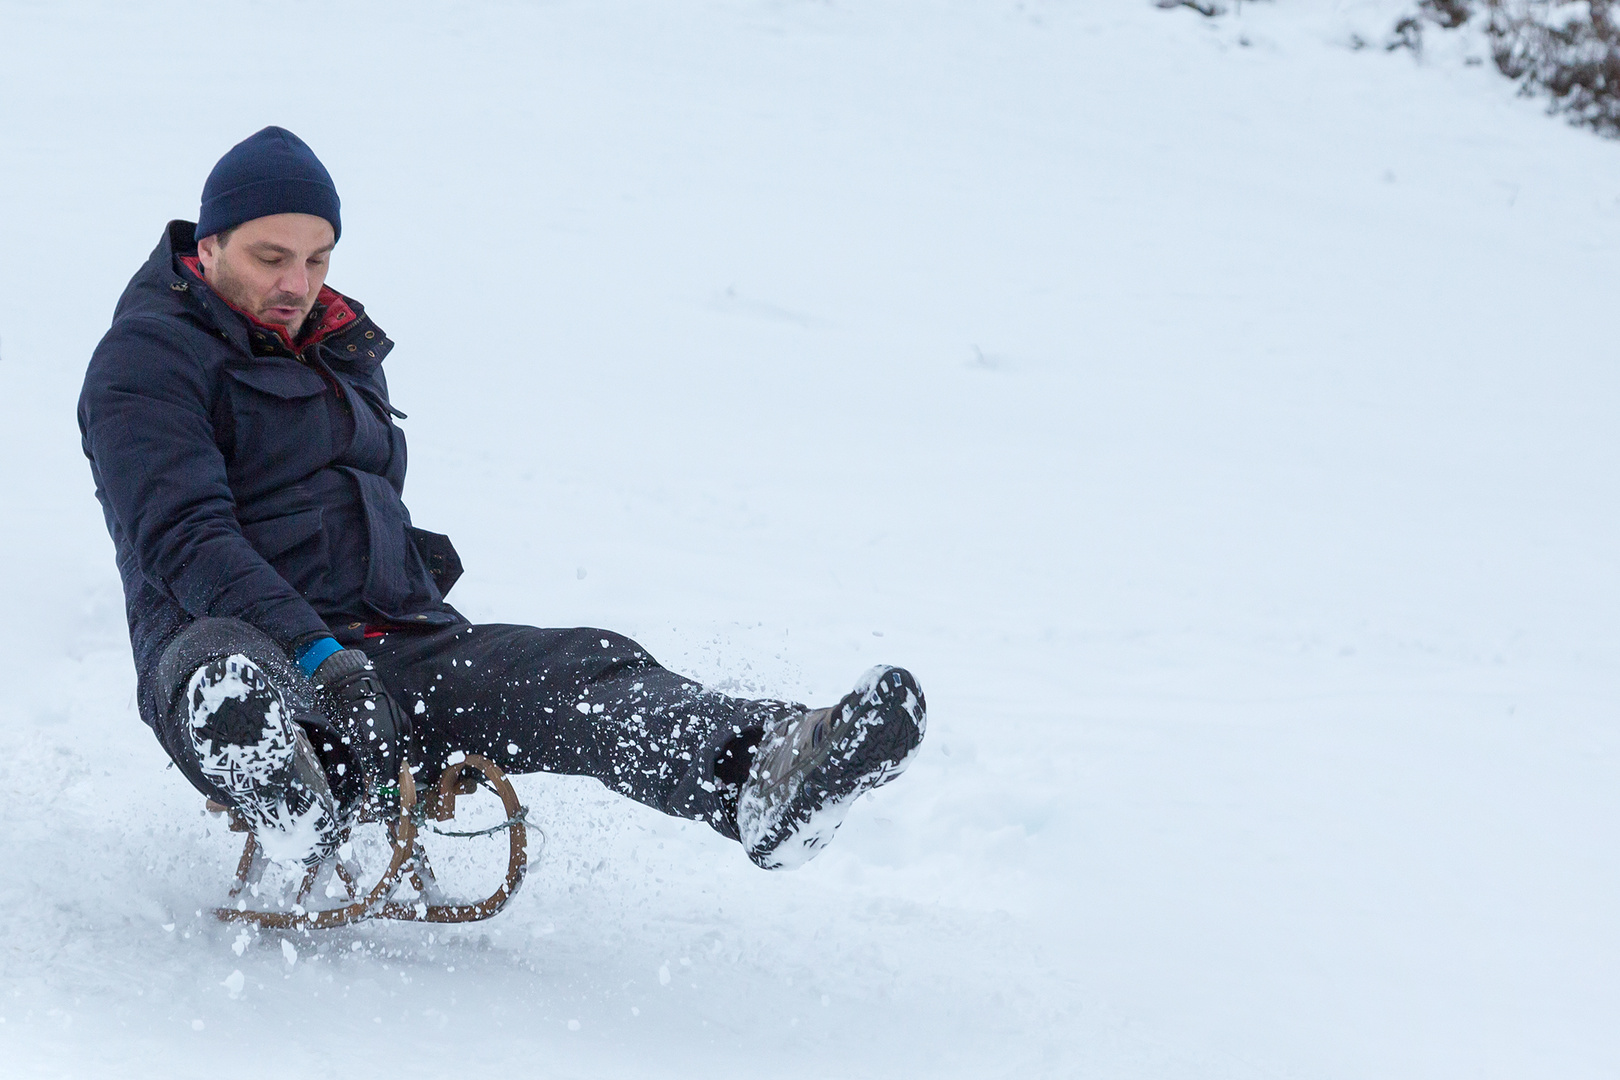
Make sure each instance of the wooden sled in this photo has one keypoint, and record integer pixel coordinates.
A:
(409, 862)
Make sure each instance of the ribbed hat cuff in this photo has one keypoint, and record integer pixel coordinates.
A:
(288, 195)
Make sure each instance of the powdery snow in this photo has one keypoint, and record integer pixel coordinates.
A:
(1223, 433)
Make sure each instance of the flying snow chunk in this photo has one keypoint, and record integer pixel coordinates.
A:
(663, 974)
(512, 748)
(288, 952)
(233, 983)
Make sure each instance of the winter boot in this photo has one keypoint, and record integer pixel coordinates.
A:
(249, 747)
(810, 767)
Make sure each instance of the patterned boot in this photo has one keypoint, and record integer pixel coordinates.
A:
(811, 766)
(249, 747)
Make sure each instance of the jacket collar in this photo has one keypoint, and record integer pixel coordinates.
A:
(331, 313)
(170, 285)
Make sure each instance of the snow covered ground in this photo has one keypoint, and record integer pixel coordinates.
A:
(1220, 421)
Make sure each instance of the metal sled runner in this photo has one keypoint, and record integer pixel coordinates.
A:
(408, 862)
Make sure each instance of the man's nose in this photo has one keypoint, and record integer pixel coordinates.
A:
(294, 280)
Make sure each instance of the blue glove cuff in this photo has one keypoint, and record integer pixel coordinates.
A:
(312, 655)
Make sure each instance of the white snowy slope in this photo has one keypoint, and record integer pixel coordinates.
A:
(1219, 421)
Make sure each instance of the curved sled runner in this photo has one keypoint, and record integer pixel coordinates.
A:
(409, 861)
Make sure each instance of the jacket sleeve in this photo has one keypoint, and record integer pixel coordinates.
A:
(145, 415)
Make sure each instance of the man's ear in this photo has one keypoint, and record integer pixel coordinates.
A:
(208, 251)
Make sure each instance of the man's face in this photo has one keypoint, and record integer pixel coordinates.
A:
(271, 267)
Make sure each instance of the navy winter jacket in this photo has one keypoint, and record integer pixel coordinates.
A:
(248, 478)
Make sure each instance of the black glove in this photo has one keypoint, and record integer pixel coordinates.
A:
(369, 722)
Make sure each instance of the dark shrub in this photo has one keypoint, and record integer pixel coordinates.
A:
(1568, 52)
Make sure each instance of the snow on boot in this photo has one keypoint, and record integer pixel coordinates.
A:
(249, 747)
(810, 767)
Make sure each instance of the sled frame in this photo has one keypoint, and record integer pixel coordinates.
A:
(409, 861)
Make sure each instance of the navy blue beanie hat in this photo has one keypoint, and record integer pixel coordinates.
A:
(270, 172)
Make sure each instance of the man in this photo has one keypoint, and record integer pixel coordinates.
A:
(292, 642)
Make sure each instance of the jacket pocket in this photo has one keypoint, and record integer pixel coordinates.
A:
(279, 428)
(397, 582)
(439, 554)
(285, 379)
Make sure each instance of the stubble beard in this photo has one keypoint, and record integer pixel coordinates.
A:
(231, 288)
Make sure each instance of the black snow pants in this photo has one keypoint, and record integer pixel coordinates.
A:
(579, 701)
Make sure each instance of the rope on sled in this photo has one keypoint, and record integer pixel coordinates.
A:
(519, 818)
